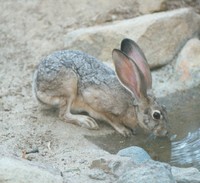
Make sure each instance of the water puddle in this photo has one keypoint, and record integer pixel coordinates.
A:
(184, 117)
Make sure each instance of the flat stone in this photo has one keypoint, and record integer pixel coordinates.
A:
(22, 171)
(150, 6)
(186, 175)
(137, 154)
(160, 35)
(151, 171)
(188, 63)
(184, 75)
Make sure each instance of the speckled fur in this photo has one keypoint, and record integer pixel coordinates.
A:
(75, 82)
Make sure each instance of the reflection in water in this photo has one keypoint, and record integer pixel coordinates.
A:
(186, 152)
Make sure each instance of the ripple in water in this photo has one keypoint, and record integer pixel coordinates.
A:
(186, 152)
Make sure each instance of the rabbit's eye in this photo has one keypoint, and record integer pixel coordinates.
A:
(156, 115)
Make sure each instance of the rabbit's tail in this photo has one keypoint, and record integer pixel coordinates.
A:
(35, 92)
(42, 97)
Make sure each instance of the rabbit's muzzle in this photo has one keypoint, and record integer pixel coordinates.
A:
(160, 131)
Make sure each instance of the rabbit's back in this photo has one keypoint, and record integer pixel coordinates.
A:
(89, 69)
(95, 83)
(75, 82)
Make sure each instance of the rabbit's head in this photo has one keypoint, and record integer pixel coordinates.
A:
(134, 74)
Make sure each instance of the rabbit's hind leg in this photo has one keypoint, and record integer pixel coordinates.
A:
(77, 119)
(68, 98)
(61, 92)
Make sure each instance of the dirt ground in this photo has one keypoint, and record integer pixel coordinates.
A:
(29, 30)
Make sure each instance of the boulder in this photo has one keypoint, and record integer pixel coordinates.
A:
(137, 154)
(151, 171)
(109, 168)
(183, 74)
(114, 168)
(187, 65)
(21, 171)
(121, 169)
(160, 35)
(150, 6)
(186, 175)
(126, 9)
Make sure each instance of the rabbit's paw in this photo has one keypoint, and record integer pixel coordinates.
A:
(126, 132)
(80, 120)
(87, 122)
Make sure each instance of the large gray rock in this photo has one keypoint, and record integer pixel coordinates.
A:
(151, 171)
(21, 171)
(114, 168)
(160, 35)
(187, 65)
(109, 168)
(137, 154)
(182, 75)
(122, 9)
(150, 6)
(186, 175)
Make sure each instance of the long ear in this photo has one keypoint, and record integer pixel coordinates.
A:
(130, 48)
(129, 74)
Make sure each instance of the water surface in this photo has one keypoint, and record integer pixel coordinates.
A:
(184, 117)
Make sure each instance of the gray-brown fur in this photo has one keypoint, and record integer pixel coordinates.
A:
(75, 81)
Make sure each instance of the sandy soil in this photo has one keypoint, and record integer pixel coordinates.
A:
(29, 30)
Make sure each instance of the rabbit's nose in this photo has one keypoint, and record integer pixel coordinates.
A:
(161, 133)
(165, 133)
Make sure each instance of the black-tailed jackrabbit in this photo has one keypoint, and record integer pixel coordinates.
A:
(75, 82)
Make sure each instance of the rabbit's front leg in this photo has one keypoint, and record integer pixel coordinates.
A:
(126, 132)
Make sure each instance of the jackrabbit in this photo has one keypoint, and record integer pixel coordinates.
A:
(75, 82)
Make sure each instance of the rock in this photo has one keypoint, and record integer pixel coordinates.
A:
(160, 35)
(114, 168)
(185, 74)
(98, 174)
(150, 6)
(109, 167)
(137, 154)
(188, 63)
(22, 171)
(151, 171)
(126, 9)
(186, 175)
(111, 163)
